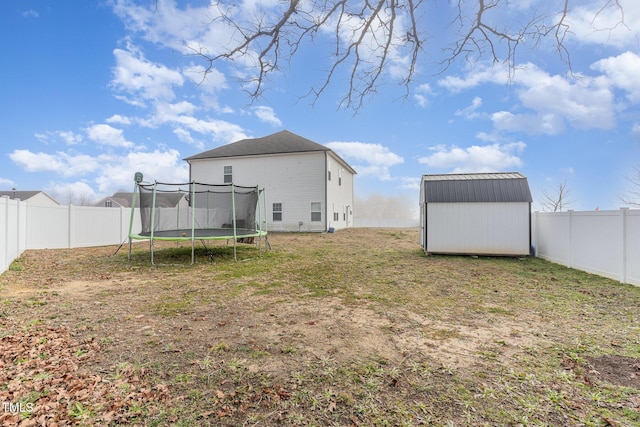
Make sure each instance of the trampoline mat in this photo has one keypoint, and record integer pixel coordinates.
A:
(199, 233)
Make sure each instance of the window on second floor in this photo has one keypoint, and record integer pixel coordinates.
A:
(228, 174)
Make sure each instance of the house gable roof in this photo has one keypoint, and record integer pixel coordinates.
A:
(25, 195)
(476, 187)
(282, 142)
(124, 199)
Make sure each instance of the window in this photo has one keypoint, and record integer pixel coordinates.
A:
(277, 211)
(228, 174)
(316, 211)
(108, 204)
(339, 180)
(328, 175)
(335, 216)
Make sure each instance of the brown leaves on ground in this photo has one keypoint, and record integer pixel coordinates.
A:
(46, 385)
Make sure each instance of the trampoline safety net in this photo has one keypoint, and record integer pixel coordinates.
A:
(197, 211)
(167, 209)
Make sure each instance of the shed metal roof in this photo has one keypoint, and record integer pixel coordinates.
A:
(476, 188)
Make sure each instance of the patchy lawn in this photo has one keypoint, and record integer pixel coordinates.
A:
(354, 328)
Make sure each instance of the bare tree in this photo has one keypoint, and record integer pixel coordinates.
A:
(555, 200)
(631, 196)
(370, 37)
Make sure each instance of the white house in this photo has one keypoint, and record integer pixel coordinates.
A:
(476, 213)
(33, 197)
(307, 186)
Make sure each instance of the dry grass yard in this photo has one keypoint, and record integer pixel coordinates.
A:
(354, 328)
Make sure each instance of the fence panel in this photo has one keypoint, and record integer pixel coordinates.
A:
(12, 230)
(48, 226)
(602, 242)
(95, 226)
(632, 247)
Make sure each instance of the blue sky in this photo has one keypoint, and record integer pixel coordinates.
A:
(95, 91)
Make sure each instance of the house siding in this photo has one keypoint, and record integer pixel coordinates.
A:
(339, 194)
(295, 179)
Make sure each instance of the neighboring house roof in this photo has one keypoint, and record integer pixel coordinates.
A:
(124, 199)
(119, 199)
(278, 143)
(25, 195)
(476, 187)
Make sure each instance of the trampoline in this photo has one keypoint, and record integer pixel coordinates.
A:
(198, 211)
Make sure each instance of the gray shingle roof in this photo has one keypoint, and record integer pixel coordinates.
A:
(480, 187)
(278, 143)
(22, 195)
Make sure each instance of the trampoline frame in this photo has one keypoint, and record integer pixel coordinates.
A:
(202, 234)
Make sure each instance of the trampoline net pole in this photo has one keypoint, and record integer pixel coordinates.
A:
(133, 210)
(193, 221)
(233, 210)
(153, 219)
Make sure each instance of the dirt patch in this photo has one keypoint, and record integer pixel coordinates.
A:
(617, 370)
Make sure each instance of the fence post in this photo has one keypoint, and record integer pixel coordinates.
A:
(5, 261)
(623, 226)
(570, 258)
(70, 226)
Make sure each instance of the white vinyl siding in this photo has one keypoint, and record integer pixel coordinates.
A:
(295, 180)
(339, 194)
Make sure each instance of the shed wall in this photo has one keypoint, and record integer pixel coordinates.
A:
(477, 228)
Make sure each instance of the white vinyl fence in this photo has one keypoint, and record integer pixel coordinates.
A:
(28, 226)
(13, 230)
(606, 243)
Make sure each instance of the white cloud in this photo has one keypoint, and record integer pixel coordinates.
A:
(68, 137)
(423, 92)
(477, 74)
(267, 115)
(79, 192)
(30, 14)
(368, 159)
(487, 158)
(470, 112)
(141, 79)
(7, 183)
(117, 119)
(552, 102)
(161, 165)
(622, 72)
(611, 26)
(61, 163)
(107, 135)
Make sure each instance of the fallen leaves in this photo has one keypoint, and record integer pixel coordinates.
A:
(41, 366)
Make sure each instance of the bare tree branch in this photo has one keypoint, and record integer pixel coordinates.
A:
(631, 196)
(372, 37)
(555, 200)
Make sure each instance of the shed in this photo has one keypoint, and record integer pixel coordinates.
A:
(475, 214)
